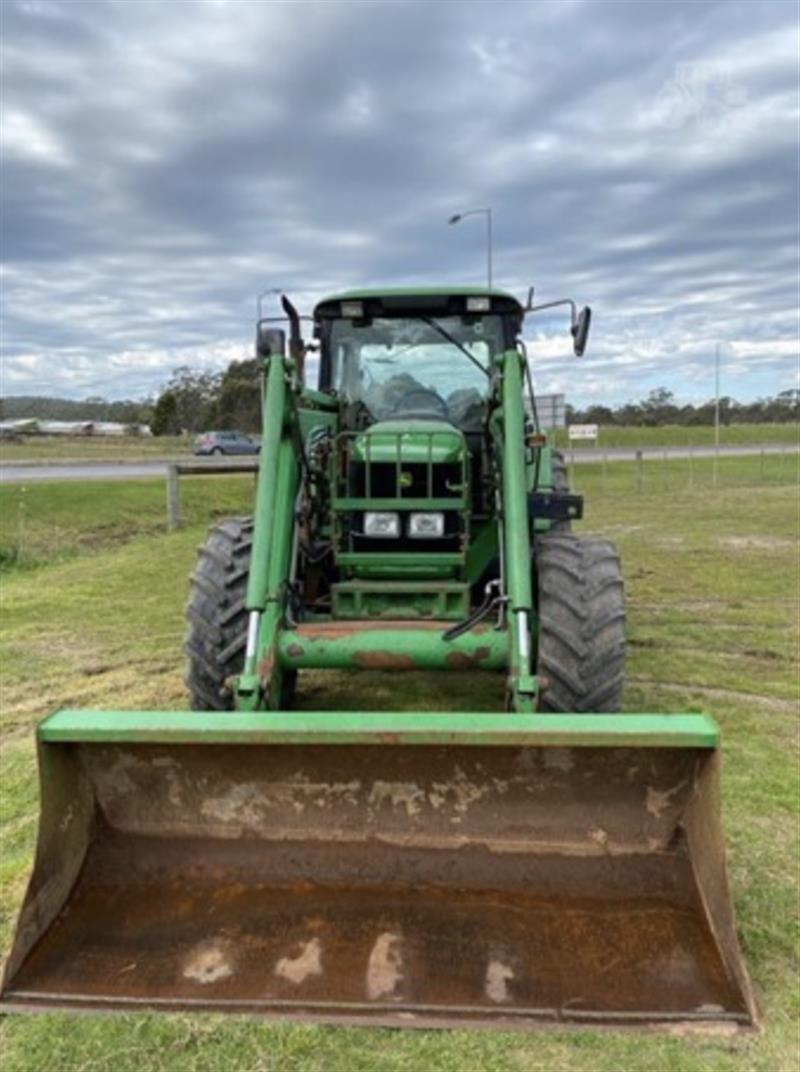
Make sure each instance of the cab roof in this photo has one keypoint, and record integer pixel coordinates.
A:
(398, 298)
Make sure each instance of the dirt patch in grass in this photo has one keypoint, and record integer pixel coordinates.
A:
(769, 703)
(757, 543)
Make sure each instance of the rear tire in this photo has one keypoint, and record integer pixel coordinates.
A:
(581, 623)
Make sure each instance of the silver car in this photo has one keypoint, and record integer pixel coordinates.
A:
(225, 443)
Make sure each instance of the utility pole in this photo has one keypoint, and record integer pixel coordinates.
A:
(716, 396)
(716, 413)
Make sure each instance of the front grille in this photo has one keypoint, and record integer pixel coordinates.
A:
(402, 485)
(409, 480)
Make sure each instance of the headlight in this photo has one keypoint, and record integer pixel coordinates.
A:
(382, 525)
(426, 525)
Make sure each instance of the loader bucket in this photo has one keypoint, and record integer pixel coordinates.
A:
(414, 869)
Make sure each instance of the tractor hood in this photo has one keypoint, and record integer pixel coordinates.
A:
(409, 441)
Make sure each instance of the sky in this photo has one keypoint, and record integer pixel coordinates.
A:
(164, 162)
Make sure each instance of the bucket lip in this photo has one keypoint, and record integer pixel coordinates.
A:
(380, 728)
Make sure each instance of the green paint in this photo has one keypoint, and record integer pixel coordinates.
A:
(309, 419)
(279, 565)
(515, 529)
(411, 441)
(274, 417)
(401, 600)
(540, 472)
(318, 399)
(380, 646)
(379, 728)
(482, 550)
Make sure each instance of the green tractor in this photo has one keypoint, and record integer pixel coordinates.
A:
(552, 861)
(411, 489)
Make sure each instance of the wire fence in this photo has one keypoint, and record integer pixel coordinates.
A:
(655, 470)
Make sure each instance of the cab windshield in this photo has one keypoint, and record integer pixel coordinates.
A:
(417, 367)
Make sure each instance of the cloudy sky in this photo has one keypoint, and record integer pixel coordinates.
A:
(165, 161)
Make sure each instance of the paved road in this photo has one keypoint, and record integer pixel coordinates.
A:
(18, 474)
(24, 474)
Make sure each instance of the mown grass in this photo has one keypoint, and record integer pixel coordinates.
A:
(43, 522)
(713, 624)
(97, 448)
(663, 474)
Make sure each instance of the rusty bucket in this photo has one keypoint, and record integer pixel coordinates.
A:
(398, 869)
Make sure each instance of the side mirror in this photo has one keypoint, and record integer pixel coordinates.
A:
(270, 341)
(580, 330)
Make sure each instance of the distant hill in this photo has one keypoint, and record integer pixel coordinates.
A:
(15, 407)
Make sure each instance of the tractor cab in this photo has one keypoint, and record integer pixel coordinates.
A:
(413, 374)
(427, 355)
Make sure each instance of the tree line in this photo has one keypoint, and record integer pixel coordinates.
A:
(191, 401)
(660, 407)
(196, 401)
(94, 408)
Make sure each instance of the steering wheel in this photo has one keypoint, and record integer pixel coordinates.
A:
(425, 392)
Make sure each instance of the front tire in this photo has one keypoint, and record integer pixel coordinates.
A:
(216, 619)
(581, 610)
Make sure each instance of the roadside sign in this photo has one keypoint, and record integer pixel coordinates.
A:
(583, 431)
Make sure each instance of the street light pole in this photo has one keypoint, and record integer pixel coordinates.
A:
(716, 396)
(487, 212)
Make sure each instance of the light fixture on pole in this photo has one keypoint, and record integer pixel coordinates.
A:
(487, 212)
(260, 297)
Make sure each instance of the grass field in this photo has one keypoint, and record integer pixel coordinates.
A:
(82, 448)
(43, 449)
(92, 598)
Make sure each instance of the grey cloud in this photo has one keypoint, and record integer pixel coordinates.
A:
(166, 162)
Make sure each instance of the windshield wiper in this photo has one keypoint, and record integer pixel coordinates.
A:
(446, 335)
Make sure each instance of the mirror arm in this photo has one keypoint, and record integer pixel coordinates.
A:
(550, 305)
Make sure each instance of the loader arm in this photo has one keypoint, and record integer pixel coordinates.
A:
(510, 444)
